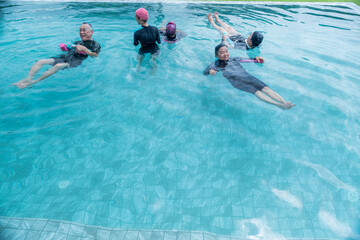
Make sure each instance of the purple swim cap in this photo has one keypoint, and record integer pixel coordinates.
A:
(171, 28)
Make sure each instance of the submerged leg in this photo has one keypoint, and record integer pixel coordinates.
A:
(52, 71)
(227, 28)
(283, 105)
(154, 64)
(34, 69)
(274, 95)
(46, 74)
(140, 58)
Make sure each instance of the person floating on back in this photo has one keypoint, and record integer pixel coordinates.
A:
(240, 42)
(74, 57)
(242, 80)
(148, 36)
(170, 34)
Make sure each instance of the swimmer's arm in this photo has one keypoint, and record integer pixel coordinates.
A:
(250, 60)
(162, 25)
(211, 69)
(225, 41)
(136, 40)
(158, 37)
(80, 48)
(182, 32)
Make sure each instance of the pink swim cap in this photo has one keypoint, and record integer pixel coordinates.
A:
(171, 28)
(142, 14)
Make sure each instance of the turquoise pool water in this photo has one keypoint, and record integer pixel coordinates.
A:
(103, 145)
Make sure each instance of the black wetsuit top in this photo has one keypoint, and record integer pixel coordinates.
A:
(239, 42)
(237, 75)
(179, 35)
(73, 58)
(147, 36)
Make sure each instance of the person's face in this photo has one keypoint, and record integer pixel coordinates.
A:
(171, 36)
(249, 40)
(223, 53)
(85, 32)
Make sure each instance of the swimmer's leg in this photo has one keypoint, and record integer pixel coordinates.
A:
(227, 28)
(274, 95)
(267, 99)
(211, 20)
(154, 64)
(46, 74)
(34, 69)
(140, 58)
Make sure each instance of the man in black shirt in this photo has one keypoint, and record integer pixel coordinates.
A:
(82, 49)
(148, 36)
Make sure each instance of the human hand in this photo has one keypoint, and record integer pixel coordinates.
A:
(212, 72)
(81, 49)
(259, 59)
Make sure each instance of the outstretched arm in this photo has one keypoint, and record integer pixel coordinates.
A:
(250, 60)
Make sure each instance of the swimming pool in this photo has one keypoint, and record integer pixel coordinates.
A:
(106, 146)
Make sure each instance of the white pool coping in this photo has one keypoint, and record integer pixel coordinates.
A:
(351, 5)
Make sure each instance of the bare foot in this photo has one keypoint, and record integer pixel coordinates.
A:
(210, 17)
(287, 106)
(23, 83)
(216, 14)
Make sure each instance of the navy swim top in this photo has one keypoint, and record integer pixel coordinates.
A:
(147, 35)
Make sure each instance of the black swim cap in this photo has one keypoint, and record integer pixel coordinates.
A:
(256, 38)
(218, 47)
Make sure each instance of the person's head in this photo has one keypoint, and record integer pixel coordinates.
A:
(141, 16)
(86, 31)
(170, 29)
(255, 39)
(222, 52)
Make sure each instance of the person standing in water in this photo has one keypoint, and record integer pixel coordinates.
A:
(147, 36)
